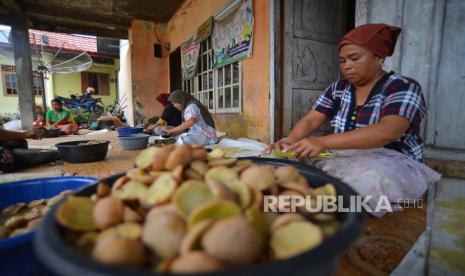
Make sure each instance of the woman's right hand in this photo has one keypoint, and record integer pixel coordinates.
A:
(280, 145)
(151, 127)
(37, 132)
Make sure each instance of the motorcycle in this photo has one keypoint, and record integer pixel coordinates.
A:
(94, 105)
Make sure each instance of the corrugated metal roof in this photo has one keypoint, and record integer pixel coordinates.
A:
(57, 40)
(68, 41)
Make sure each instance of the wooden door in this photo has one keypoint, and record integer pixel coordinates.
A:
(175, 70)
(446, 114)
(311, 61)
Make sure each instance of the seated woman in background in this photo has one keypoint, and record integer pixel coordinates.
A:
(197, 120)
(170, 117)
(60, 118)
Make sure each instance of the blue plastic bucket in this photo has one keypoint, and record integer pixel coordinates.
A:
(16, 254)
(126, 131)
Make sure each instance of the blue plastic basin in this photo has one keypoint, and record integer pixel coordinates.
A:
(126, 131)
(16, 254)
(134, 141)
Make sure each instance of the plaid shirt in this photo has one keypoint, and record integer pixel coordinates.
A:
(393, 94)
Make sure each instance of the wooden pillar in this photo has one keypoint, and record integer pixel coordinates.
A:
(22, 53)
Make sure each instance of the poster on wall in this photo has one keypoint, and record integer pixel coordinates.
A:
(189, 57)
(233, 35)
(204, 30)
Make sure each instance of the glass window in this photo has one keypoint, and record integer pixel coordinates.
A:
(10, 84)
(227, 97)
(236, 96)
(220, 90)
(227, 74)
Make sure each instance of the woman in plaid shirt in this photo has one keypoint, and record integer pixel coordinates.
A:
(368, 107)
(375, 117)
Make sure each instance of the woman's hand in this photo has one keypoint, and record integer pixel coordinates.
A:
(168, 130)
(150, 127)
(308, 147)
(281, 144)
(37, 132)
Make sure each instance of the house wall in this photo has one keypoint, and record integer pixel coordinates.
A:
(61, 85)
(430, 50)
(150, 76)
(66, 84)
(9, 105)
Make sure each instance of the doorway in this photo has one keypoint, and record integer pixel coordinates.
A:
(175, 70)
(310, 34)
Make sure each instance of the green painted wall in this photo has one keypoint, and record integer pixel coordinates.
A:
(9, 105)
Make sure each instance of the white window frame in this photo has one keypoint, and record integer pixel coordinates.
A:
(231, 86)
(192, 85)
(7, 71)
(205, 69)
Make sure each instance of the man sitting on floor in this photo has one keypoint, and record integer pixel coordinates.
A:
(10, 140)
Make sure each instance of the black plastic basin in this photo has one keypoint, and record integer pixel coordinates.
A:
(75, 152)
(63, 259)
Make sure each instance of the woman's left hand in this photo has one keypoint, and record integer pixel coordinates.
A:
(167, 130)
(308, 147)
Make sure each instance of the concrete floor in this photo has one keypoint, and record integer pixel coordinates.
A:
(117, 160)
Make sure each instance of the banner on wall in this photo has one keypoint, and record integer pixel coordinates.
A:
(189, 57)
(233, 35)
(204, 30)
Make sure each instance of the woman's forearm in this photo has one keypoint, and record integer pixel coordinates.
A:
(306, 126)
(182, 127)
(62, 121)
(6, 135)
(302, 129)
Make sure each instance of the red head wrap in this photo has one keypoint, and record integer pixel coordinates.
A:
(379, 39)
(163, 99)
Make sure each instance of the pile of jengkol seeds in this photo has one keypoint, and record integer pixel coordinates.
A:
(184, 211)
(22, 217)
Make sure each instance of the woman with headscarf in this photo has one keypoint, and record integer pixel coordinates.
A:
(197, 120)
(170, 117)
(378, 113)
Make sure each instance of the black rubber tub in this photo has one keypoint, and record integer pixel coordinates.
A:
(63, 259)
(34, 157)
(76, 152)
(53, 133)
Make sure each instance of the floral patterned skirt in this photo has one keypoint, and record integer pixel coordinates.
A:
(378, 172)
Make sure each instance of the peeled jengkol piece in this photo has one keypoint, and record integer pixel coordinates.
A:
(76, 213)
(234, 241)
(120, 251)
(108, 212)
(219, 209)
(190, 195)
(164, 233)
(23, 217)
(182, 210)
(294, 238)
